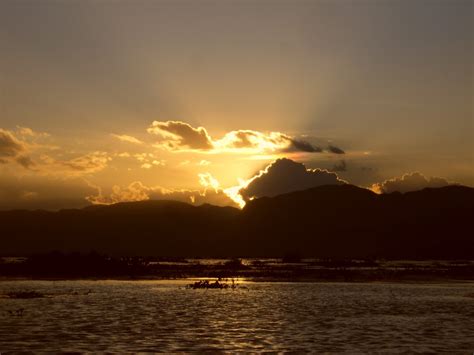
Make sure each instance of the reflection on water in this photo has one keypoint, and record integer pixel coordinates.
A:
(164, 316)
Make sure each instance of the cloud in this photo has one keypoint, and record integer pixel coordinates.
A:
(42, 192)
(241, 139)
(248, 140)
(409, 182)
(341, 166)
(137, 191)
(335, 150)
(143, 157)
(153, 163)
(28, 132)
(10, 146)
(178, 135)
(127, 138)
(75, 167)
(13, 149)
(146, 160)
(207, 180)
(25, 161)
(302, 146)
(29, 195)
(88, 163)
(254, 141)
(285, 175)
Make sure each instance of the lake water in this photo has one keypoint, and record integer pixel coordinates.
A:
(119, 316)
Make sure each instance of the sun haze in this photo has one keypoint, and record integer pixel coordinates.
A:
(130, 100)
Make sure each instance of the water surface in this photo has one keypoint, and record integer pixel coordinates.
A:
(120, 316)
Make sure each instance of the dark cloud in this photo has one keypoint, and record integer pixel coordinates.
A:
(335, 150)
(341, 166)
(179, 135)
(285, 175)
(410, 182)
(297, 145)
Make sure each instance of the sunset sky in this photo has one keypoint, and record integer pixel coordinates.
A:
(109, 101)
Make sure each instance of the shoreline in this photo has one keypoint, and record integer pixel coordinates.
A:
(255, 270)
(432, 280)
(408, 282)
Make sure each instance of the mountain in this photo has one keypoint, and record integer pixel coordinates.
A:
(347, 221)
(326, 221)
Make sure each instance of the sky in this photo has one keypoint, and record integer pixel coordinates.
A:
(106, 101)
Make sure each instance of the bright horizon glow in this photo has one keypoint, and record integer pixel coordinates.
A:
(106, 100)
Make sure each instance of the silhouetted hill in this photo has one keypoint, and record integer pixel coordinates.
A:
(326, 221)
(347, 221)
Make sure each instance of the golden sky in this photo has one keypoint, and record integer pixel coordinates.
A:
(107, 101)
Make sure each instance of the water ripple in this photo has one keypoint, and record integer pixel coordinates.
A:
(122, 316)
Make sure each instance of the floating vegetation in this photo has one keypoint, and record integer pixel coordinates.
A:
(24, 294)
(206, 284)
(35, 294)
(16, 312)
(291, 258)
(234, 264)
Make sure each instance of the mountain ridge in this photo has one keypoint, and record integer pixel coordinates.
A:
(325, 221)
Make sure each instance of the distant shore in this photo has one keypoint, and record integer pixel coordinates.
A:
(419, 280)
(100, 267)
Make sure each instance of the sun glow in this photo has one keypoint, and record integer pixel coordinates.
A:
(251, 142)
(234, 192)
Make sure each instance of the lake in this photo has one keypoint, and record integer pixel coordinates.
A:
(124, 316)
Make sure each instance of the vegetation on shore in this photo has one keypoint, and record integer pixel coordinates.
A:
(58, 265)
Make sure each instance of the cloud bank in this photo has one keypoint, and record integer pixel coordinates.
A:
(409, 182)
(137, 191)
(285, 175)
(24, 152)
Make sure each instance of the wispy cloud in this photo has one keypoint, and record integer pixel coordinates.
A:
(126, 138)
(78, 166)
